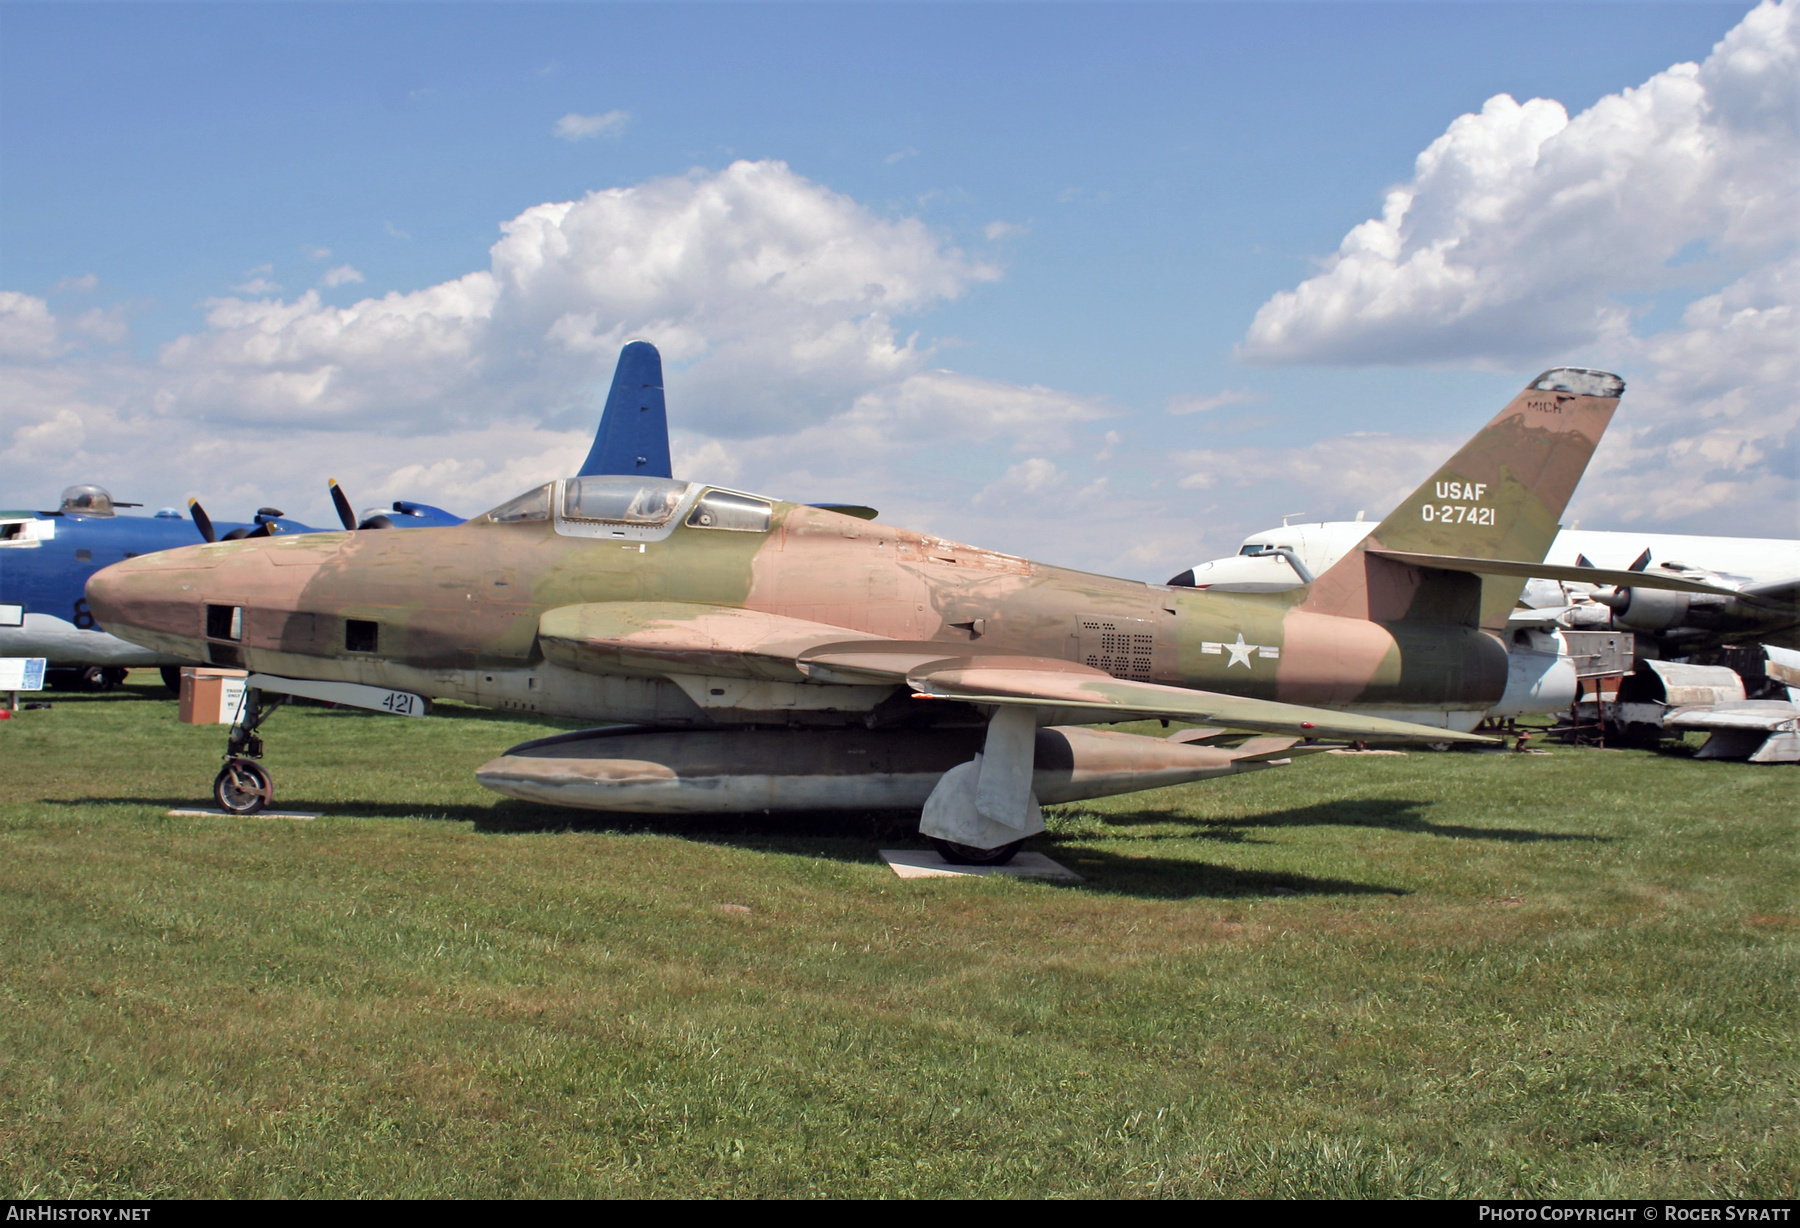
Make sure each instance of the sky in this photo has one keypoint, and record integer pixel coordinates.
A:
(1107, 285)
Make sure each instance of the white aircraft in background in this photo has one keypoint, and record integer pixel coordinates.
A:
(1764, 570)
(1552, 641)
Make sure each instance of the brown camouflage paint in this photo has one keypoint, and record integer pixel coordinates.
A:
(505, 613)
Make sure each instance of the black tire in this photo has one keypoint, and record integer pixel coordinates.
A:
(171, 676)
(95, 680)
(968, 855)
(243, 787)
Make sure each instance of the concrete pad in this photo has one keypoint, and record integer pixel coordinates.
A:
(300, 815)
(929, 863)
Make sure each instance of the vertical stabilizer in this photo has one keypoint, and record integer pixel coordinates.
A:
(634, 427)
(1499, 497)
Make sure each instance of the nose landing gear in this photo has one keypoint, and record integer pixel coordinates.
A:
(243, 785)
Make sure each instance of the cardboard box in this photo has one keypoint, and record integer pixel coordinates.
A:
(211, 696)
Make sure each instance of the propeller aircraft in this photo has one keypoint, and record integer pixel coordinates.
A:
(756, 654)
(47, 557)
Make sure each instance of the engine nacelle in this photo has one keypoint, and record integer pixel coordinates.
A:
(1536, 683)
(1648, 609)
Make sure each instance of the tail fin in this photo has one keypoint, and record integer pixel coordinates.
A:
(1499, 497)
(634, 427)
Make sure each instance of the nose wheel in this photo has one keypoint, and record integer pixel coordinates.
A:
(968, 855)
(243, 785)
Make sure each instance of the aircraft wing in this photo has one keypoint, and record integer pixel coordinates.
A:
(1096, 692)
(1552, 571)
(1777, 593)
(661, 637)
(673, 637)
(1766, 716)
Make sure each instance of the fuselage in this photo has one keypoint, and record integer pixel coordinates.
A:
(454, 613)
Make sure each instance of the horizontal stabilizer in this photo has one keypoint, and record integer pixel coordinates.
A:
(1551, 571)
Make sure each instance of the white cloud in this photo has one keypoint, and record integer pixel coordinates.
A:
(1368, 470)
(772, 296)
(27, 329)
(1199, 405)
(394, 232)
(1711, 434)
(316, 253)
(900, 155)
(997, 230)
(573, 127)
(774, 300)
(1521, 226)
(84, 284)
(342, 275)
(261, 281)
(104, 324)
(1029, 477)
(1523, 233)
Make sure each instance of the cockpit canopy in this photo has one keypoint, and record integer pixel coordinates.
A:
(86, 501)
(622, 499)
(635, 503)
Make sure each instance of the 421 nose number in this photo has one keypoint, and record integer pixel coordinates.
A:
(1457, 513)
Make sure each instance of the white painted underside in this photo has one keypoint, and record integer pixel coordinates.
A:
(61, 642)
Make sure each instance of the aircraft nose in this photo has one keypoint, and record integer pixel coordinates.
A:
(108, 592)
(146, 604)
(103, 589)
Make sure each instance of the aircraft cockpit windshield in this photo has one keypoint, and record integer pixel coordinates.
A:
(86, 501)
(622, 499)
(532, 505)
(724, 509)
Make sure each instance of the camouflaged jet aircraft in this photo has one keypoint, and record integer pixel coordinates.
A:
(768, 655)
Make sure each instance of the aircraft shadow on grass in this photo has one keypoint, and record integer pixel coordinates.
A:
(852, 836)
(1392, 814)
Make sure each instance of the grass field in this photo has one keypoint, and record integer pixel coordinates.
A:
(1444, 974)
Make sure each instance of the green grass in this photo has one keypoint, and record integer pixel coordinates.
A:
(1444, 974)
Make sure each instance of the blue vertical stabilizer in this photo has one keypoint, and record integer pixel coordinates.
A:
(634, 427)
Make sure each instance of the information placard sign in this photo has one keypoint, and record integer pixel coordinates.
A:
(21, 673)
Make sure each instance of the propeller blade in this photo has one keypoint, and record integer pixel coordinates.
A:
(341, 501)
(202, 521)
